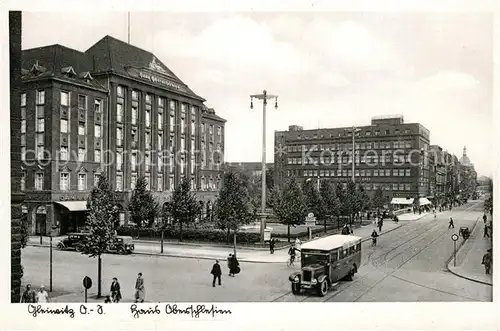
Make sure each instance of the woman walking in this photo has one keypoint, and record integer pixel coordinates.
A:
(116, 294)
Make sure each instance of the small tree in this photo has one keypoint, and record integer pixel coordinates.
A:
(183, 205)
(329, 204)
(101, 216)
(289, 206)
(351, 200)
(143, 207)
(378, 199)
(312, 197)
(362, 199)
(233, 205)
(340, 193)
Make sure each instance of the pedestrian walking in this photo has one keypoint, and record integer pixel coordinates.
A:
(216, 273)
(451, 225)
(29, 295)
(116, 294)
(229, 259)
(485, 218)
(380, 223)
(345, 230)
(487, 260)
(486, 232)
(374, 236)
(42, 295)
(271, 246)
(233, 265)
(140, 291)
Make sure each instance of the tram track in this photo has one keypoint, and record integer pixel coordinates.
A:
(290, 297)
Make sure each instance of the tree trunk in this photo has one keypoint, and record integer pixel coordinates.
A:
(228, 237)
(162, 237)
(99, 275)
(325, 224)
(180, 231)
(234, 242)
(288, 234)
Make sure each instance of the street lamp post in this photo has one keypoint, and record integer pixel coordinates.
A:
(50, 257)
(264, 97)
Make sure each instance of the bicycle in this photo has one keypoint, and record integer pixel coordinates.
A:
(290, 261)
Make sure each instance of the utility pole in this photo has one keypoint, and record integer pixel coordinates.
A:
(354, 130)
(264, 97)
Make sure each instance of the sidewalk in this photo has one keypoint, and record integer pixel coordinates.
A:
(470, 255)
(216, 252)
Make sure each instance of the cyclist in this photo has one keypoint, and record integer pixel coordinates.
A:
(374, 238)
(291, 253)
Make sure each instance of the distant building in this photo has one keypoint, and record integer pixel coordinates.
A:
(389, 154)
(249, 168)
(114, 109)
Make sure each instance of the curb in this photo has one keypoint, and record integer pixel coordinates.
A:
(212, 258)
(458, 250)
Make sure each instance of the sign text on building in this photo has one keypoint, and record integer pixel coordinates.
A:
(159, 80)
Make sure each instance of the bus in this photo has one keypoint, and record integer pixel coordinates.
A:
(325, 261)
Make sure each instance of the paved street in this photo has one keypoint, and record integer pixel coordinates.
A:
(408, 264)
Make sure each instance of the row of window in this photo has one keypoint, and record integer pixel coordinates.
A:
(348, 146)
(348, 133)
(345, 159)
(348, 173)
(64, 181)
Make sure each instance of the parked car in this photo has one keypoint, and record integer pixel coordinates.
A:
(72, 241)
(122, 245)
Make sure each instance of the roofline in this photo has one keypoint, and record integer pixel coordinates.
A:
(53, 45)
(55, 78)
(113, 72)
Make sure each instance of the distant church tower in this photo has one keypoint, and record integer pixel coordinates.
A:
(465, 151)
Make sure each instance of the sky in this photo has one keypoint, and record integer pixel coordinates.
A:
(329, 69)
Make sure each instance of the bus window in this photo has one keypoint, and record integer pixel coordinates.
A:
(346, 253)
(333, 256)
(341, 254)
(351, 250)
(358, 247)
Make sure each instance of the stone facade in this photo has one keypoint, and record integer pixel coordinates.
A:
(15, 156)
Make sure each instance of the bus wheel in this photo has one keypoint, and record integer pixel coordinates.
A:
(323, 288)
(295, 288)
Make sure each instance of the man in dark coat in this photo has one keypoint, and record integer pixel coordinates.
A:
(115, 290)
(485, 218)
(233, 265)
(271, 245)
(29, 295)
(216, 272)
(487, 260)
(451, 224)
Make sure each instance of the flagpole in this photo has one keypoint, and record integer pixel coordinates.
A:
(128, 26)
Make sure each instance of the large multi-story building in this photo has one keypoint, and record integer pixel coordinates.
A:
(389, 154)
(114, 109)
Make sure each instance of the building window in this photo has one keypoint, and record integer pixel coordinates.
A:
(148, 140)
(134, 115)
(97, 156)
(148, 98)
(40, 97)
(64, 126)
(23, 126)
(159, 185)
(23, 99)
(375, 172)
(82, 102)
(387, 172)
(407, 187)
(119, 91)
(133, 161)
(64, 181)
(81, 154)
(119, 137)
(183, 145)
(64, 153)
(160, 162)
(97, 130)
(97, 106)
(119, 112)
(135, 95)
(64, 99)
(171, 183)
(39, 152)
(401, 187)
(23, 153)
(82, 181)
(394, 187)
(148, 118)
(133, 181)
(160, 121)
(38, 182)
(147, 160)
(23, 181)
(395, 172)
(81, 129)
(96, 179)
(408, 172)
(147, 177)
(160, 141)
(119, 161)
(119, 182)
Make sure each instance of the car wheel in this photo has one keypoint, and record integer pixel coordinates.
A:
(121, 251)
(323, 288)
(60, 246)
(295, 288)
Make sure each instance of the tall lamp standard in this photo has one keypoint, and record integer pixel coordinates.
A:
(264, 97)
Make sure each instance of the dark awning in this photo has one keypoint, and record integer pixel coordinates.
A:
(73, 205)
